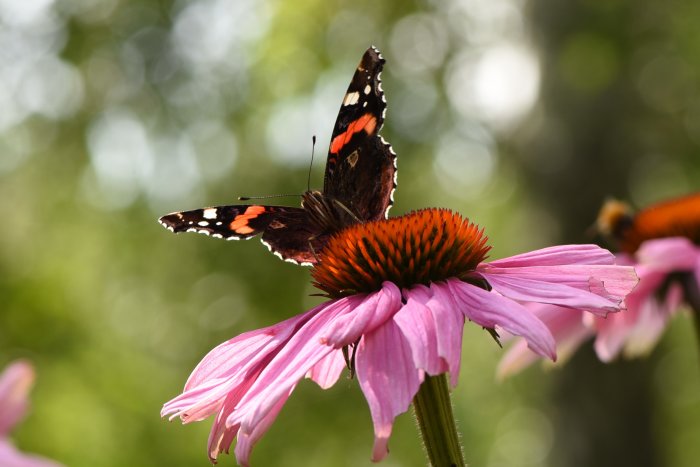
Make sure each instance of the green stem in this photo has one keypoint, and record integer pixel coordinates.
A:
(433, 409)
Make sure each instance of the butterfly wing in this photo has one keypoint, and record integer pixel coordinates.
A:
(286, 231)
(361, 166)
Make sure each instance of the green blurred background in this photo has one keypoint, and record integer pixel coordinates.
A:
(522, 115)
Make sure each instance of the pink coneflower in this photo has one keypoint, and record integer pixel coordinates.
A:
(661, 243)
(15, 382)
(400, 290)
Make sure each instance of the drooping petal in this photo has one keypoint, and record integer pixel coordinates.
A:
(370, 311)
(226, 359)
(636, 331)
(418, 326)
(490, 310)
(388, 378)
(222, 435)
(10, 456)
(292, 362)
(567, 327)
(247, 439)
(231, 367)
(652, 320)
(15, 383)
(449, 326)
(326, 372)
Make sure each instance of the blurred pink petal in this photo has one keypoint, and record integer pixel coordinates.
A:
(567, 327)
(11, 457)
(15, 383)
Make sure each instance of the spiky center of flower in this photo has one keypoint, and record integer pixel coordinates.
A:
(421, 247)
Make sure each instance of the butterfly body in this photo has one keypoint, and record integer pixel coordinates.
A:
(359, 182)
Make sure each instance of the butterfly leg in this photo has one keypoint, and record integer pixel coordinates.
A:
(346, 209)
(313, 250)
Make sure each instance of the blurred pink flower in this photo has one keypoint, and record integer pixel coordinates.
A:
(15, 382)
(662, 265)
(394, 333)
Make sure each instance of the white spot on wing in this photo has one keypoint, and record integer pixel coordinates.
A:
(201, 231)
(202, 223)
(368, 89)
(209, 213)
(279, 255)
(351, 98)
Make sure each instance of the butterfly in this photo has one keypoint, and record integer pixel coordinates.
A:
(678, 217)
(358, 186)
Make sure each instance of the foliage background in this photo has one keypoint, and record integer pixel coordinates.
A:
(523, 115)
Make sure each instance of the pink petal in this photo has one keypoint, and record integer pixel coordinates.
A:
(221, 436)
(669, 254)
(227, 358)
(567, 327)
(558, 256)
(247, 439)
(231, 368)
(418, 326)
(652, 320)
(368, 312)
(489, 309)
(388, 378)
(15, 383)
(532, 290)
(303, 350)
(637, 331)
(11, 457)
(449, 326)
(327, 371)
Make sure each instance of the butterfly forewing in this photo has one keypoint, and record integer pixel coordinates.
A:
(360, 170)
(229, 222)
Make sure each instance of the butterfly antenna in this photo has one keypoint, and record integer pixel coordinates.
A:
(248, 198)
(313, 145)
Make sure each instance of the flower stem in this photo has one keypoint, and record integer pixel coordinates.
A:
(433, 409)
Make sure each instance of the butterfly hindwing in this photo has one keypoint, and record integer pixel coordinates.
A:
(292, 237)
(361, 166)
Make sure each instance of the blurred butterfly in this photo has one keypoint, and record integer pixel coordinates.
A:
(678, 217)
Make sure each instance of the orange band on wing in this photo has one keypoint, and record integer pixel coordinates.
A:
(240, 222)
(366, 123)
